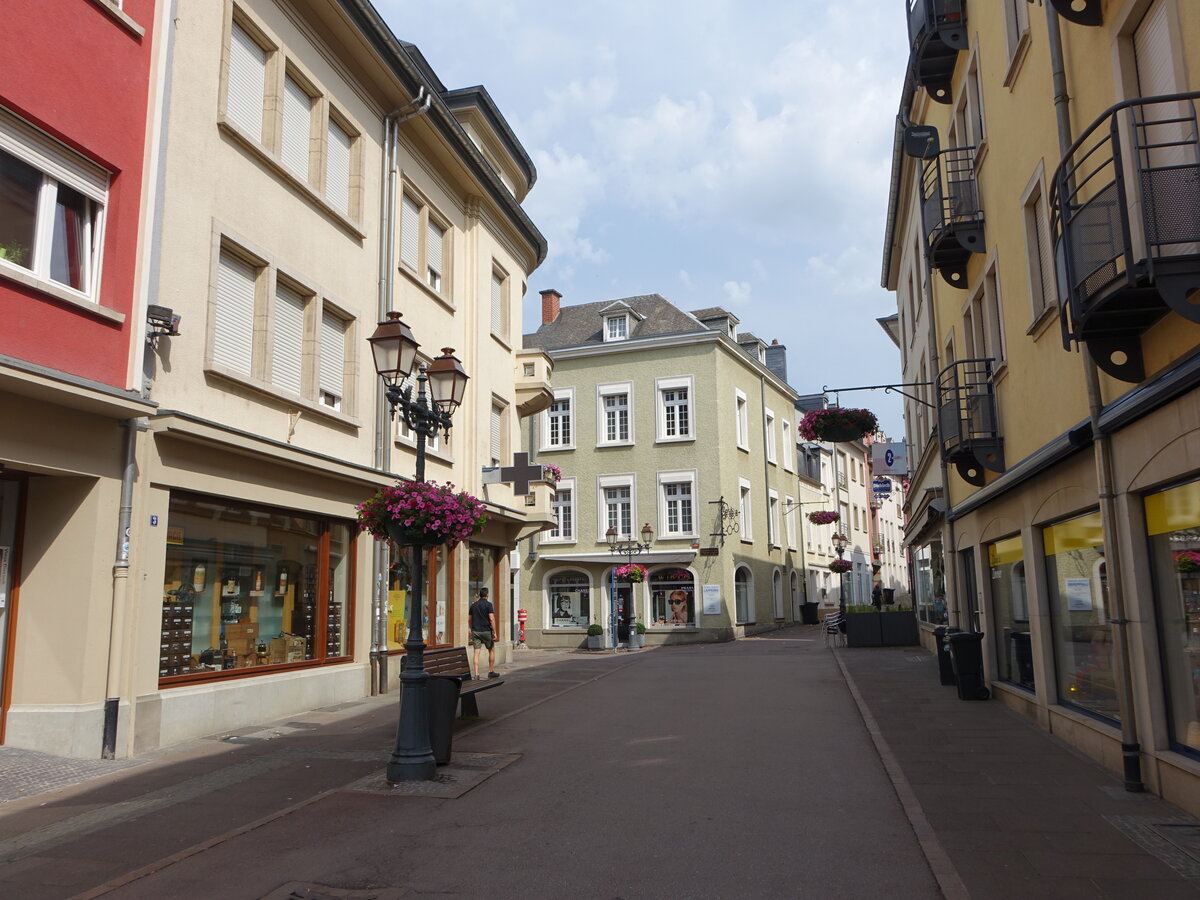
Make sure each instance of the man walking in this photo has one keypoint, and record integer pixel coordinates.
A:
(483, 631)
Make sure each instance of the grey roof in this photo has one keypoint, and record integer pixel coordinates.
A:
(715, 312)
(749, 337)
(580, 325)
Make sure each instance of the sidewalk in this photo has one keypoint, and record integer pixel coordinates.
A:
(766, 767)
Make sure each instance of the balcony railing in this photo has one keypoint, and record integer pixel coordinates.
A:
(950, 212)
(967, 425)
(1126, 201)
(937, 30)
(1081, 12)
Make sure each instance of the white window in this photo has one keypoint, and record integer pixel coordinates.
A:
(51, 213)
(674, 415)
(1016, 26)
(769, 433)
(614, 417)
(1039, 251)
(747, 531)
(246, 82)
(332, 350)
(677, 504)
(295, 144)
(615, 505)
(616, 328)
(790, 512)
(772, 518)
(558, 421)
(563, 507)
(500, 284)
(424, 243)
(967, 125)
(789, 445)
(981, 321)
(743, 420)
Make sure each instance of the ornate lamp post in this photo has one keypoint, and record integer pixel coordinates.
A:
(395, 352)
(629, 549)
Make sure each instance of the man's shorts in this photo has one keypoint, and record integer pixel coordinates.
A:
(482, 639)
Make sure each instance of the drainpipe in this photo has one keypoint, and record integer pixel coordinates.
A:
(383, 419)
(1102, 446)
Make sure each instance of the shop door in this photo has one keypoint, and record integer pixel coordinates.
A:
(9, 495)
(624, 607)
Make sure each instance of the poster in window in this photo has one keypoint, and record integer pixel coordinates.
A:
(1079, 594)
(565, 610)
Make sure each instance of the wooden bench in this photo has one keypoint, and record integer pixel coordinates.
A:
(454, 661)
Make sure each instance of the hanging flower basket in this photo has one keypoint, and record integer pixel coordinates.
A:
(824, 517)
(633, 573)
(552, 474)
(837, 423)
(421, 513)
(840, 566)
(1187, 561)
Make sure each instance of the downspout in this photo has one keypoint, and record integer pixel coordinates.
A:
(120, 592)
(1102, 444)
(383, 419)
(762, 405)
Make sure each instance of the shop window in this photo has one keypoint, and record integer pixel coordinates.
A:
(481, 573)
(743, 592)
(672, 598)
(1077, 589)
(569, 600)
(436, 625)
(1173, 528)
(1010, 608)
(248, 587)
(930, 575)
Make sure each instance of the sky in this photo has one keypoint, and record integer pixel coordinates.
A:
(717, 152)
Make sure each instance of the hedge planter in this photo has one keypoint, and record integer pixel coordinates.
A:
(863, 630)
(882, 629)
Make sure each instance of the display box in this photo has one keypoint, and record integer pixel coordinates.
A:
(285, 649)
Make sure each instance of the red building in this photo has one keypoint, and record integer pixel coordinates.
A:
(76, 96)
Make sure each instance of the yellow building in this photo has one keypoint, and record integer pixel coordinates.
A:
(1043, 241)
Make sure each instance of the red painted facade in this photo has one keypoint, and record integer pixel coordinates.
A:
(75, 71)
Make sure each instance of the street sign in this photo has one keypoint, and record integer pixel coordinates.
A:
(889, 459)
(881, 486)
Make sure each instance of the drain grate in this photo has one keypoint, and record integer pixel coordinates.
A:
(1175, 842)
(299, 890)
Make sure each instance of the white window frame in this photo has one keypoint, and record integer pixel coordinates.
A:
(789, 445)
(1039, 249)
(548, 537)
(58, 165)
(1016, 35)
(773, 518)
(741, 419)
(745, 510)
(790, 511)
(769, 435)
(661, 387)
(414, 251)
(680, 476)
(567, 394)
(616, 327)
(604, 482)
(613, 389)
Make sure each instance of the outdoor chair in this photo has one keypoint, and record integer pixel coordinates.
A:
(834, 636)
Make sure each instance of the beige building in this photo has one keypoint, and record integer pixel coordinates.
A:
(1044, 195)
(314, 174)
(675, 421)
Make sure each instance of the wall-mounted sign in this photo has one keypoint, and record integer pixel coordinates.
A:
(710, 551)
(889, 459)
(712, 599)
(881, 486)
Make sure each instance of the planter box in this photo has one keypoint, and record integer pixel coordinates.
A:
(863, 630)
(882, 629)
(595, 642)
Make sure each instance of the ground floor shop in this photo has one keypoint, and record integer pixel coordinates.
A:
(1038, 569)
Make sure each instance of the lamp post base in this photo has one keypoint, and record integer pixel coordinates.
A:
(412, 759)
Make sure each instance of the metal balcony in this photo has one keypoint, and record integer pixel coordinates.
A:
(937, 30)
(1126, 222)
(967, 425)
(950, 212)
(1081, 12)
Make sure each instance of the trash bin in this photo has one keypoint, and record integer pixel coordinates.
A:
(966, 654)
(945, 667)
(808, 614)
(443, 708)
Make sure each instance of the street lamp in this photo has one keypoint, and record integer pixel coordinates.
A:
(394, 350)
(629, 549)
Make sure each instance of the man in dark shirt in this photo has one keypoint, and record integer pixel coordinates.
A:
(483, 631)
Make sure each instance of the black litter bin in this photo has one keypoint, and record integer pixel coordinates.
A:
(945, 666)
(966, 655)
(808, 614)
(443, 707)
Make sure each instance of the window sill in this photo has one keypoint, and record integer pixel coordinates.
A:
(262, 387)
(685, 439)
(502, 341)
(66, 295)
(419, 283)
(283, 173)
(557, 542)
(601, 446)
(1017, 61)
(743, 449)
(122, 18)
(1038, 327)
(560, 449)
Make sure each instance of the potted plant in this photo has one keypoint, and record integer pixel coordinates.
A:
(595, 637)
(552, 474)
(840, 566)
(637, 636)
(1187, 561)
(837, 423)
(13, 253)
(824, 517)
(421, 513)
(631, 572)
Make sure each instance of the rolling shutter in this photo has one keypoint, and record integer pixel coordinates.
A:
(297, 128)
(247, 83)
(337, 168)
(233, 330)
(497, 305)
(287, 340)
(333, 355)
(497, 419)
(410, 233)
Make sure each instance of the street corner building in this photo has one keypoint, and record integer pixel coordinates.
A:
(191, 406)
(1043, 242)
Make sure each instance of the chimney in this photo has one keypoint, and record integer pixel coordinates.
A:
(550, 305)
(777, 360)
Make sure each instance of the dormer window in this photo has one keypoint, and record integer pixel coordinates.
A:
(616, 328)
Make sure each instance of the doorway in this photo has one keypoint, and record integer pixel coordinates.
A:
(970, 609)
(10, 495)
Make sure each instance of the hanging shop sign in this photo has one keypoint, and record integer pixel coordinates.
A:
(889, 459)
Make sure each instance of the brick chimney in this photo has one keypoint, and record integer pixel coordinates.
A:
(551, 300)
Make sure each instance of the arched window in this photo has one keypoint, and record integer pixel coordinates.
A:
(795, 592)
(743, 590)
(569, 604)
(777, 593)
(672, 597)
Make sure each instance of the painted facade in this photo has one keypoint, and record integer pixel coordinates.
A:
(1069, 512)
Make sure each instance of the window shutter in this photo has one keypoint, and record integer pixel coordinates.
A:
(233, 330)
(433, 247)
(1045, 253)
(297, 128)
(410, 233)
(497, 416)
(497, 305)
(247, 83)
(333, 353)
(287, 340)
(337, 167)
(1152, 49)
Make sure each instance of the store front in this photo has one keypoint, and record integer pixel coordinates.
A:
(10, 494)
(1010, 612)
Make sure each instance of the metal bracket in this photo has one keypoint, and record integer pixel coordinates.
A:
(887, 389)
(729, 521)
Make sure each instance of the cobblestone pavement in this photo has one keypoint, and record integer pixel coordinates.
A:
(27, 772)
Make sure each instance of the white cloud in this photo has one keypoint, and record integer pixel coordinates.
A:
(737, 292)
